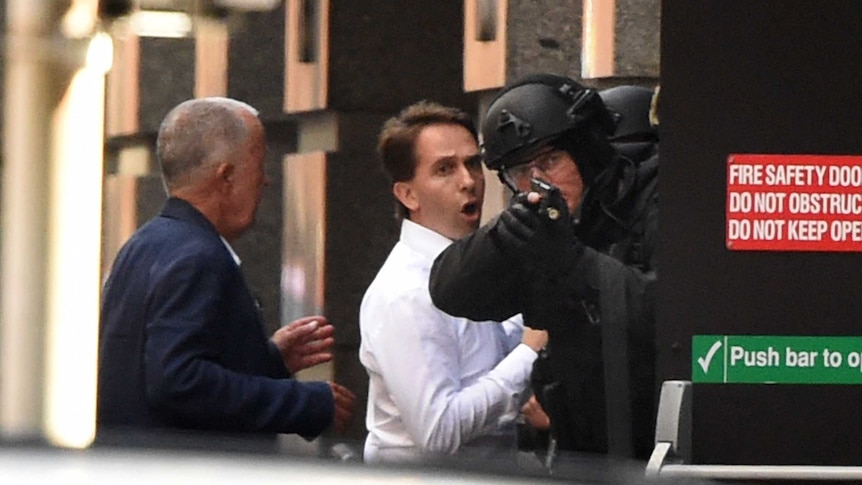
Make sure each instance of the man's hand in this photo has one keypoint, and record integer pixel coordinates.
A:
(535, 339)
(345, 402)
(305, 342)
(535, 415)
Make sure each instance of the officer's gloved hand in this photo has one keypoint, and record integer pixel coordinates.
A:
(540, 232)
(517, 227)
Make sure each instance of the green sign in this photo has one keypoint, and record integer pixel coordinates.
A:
(759, 359)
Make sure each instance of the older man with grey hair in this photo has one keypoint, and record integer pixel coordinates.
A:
(182, 342)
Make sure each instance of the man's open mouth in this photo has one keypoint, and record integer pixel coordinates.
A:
(470, 208)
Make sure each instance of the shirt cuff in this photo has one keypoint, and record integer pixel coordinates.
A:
(517, 366)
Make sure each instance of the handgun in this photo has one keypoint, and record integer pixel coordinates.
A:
(544, 189)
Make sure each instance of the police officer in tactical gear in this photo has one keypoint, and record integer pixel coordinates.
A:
(635, 135)
(575, 253)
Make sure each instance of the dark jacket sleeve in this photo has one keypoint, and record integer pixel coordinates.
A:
(474, 278)
(277, 367)
(208, 364)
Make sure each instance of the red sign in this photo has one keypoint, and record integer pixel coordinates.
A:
(794, 202)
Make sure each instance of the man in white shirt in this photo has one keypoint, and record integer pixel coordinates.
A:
(437, 384)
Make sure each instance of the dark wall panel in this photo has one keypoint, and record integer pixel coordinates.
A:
(256, 62)
(749, 76)
(167, 78)
(386, 55)
(544, 36)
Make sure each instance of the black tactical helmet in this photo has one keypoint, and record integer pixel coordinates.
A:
(539, 109)
(630, 106)
(636, 137)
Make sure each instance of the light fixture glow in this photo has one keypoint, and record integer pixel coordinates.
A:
(80, 20)
(100, 53)
(157, 23)
(74, 249)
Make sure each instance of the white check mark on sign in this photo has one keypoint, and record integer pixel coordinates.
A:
(704, 362)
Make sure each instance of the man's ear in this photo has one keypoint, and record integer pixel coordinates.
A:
(405, 194)
(224, 174)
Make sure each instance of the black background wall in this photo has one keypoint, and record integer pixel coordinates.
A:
(756, 76)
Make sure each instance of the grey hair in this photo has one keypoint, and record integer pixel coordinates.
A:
(198, 134)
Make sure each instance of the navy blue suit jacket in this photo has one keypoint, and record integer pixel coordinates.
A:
(183, 345)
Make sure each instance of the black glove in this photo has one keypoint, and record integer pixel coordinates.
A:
(542, 234)
(518, 227)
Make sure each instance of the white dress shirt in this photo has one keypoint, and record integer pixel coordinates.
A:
(436, 382)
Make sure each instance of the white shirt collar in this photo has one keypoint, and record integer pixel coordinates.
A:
(423, 240)
(232, 252)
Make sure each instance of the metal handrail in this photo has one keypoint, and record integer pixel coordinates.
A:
(673, 449)
(762, 472)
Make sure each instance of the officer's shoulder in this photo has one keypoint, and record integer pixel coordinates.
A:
(647, 173)
(649, 166)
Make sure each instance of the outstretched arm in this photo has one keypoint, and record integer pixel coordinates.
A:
(476, 279)
(191, 382)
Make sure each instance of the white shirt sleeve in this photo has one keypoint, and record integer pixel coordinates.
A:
(514, 330)
(417, 351)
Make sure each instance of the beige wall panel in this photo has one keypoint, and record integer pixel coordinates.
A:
(484, 44)
(306, 82)
(599, 22)
(211, 61)
(123, 97)
(304, 236)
